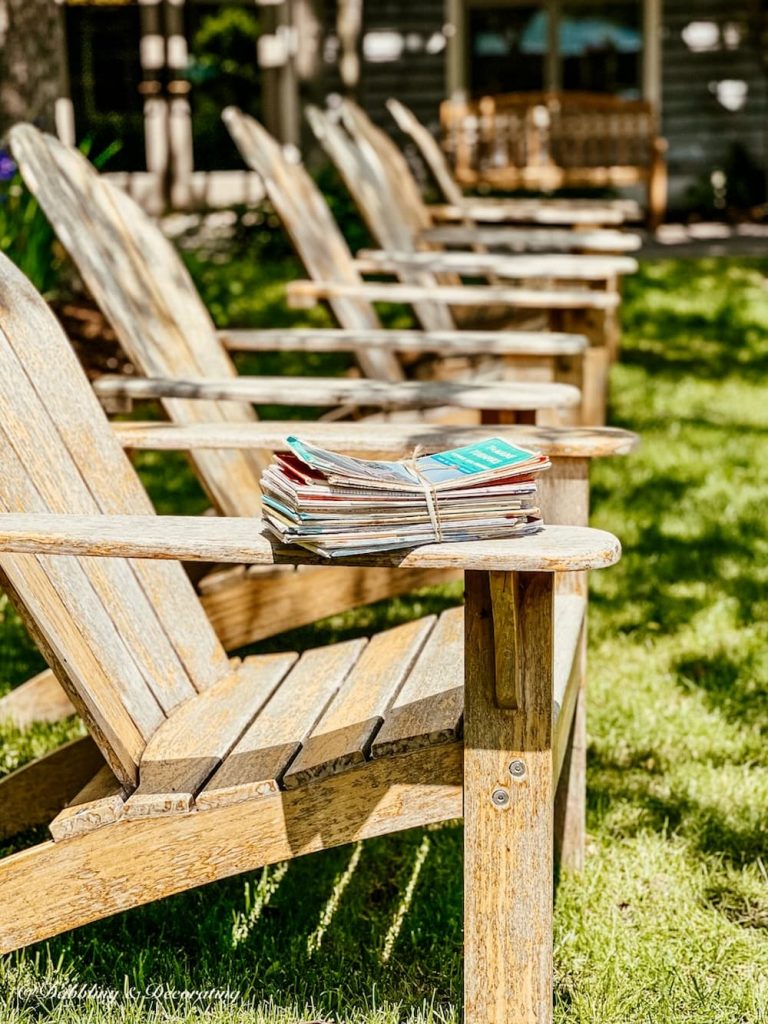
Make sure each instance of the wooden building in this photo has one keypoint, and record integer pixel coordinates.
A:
(154, 74)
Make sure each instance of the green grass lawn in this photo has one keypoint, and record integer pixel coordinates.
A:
(668, 924)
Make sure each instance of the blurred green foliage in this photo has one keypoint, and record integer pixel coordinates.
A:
(223, 71)
(25, 234)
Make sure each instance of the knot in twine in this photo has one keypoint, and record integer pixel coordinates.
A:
(430, 493)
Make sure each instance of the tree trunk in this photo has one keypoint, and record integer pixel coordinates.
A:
(31, 61)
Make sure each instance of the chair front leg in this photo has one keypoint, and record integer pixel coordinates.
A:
(508, 798)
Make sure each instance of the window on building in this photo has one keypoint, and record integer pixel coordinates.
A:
(104, 79)
(599, 46)
(505, 55)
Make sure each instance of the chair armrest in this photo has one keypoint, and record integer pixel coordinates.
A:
(384, 440)
(242, 541)
(499, 211)
(459, 343)
(572, 267)
(333, 391)
(302, 294)
(534, 239)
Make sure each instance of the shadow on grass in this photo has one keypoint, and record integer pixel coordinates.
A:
(731, 686)
(629, 798)
(708, 319)
(658, 568)
(319, 939)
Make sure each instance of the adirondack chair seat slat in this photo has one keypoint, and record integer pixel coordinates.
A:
(185, 750)
(342, 736)
(324, 713)
(258, 762)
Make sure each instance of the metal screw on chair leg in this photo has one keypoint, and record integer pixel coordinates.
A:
(517, 769)
(500, 798)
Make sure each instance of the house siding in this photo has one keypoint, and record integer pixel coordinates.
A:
(699, 130)
(417, 77)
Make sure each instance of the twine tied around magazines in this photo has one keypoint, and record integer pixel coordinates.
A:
(430, 493)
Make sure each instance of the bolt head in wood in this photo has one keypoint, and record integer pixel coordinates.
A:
(517, 769)
(500, 797)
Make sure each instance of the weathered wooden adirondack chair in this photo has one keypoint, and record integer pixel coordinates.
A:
(388, 198)
(296, 196)
(138, 280)
(213, 766)
(456, 206)
(337, 275)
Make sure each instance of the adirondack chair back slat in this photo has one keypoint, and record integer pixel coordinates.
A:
(314, 234)
(378, 192)
(129, 639)
(139, 282)
(411, 205)
(430, 150)
(362, 178)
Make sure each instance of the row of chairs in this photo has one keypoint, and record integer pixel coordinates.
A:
(197, 765)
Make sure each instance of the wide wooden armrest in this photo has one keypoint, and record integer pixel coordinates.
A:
(242, 541)
(572, 267)
(512, 211)
(305, 293)
(534, 239)
(385, 440)
(332, 391)
(459, 343)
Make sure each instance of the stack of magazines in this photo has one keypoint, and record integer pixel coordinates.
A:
(338, 506)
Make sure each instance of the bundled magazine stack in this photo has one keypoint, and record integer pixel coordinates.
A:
(338, 506)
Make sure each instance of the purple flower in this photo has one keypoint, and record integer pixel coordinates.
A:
(7, 166)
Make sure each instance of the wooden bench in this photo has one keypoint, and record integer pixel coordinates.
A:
(552, 140)
(456, 206)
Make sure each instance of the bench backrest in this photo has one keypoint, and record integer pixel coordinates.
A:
(314, 233)
(144, 290)
(576, 132)
(129, 640)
